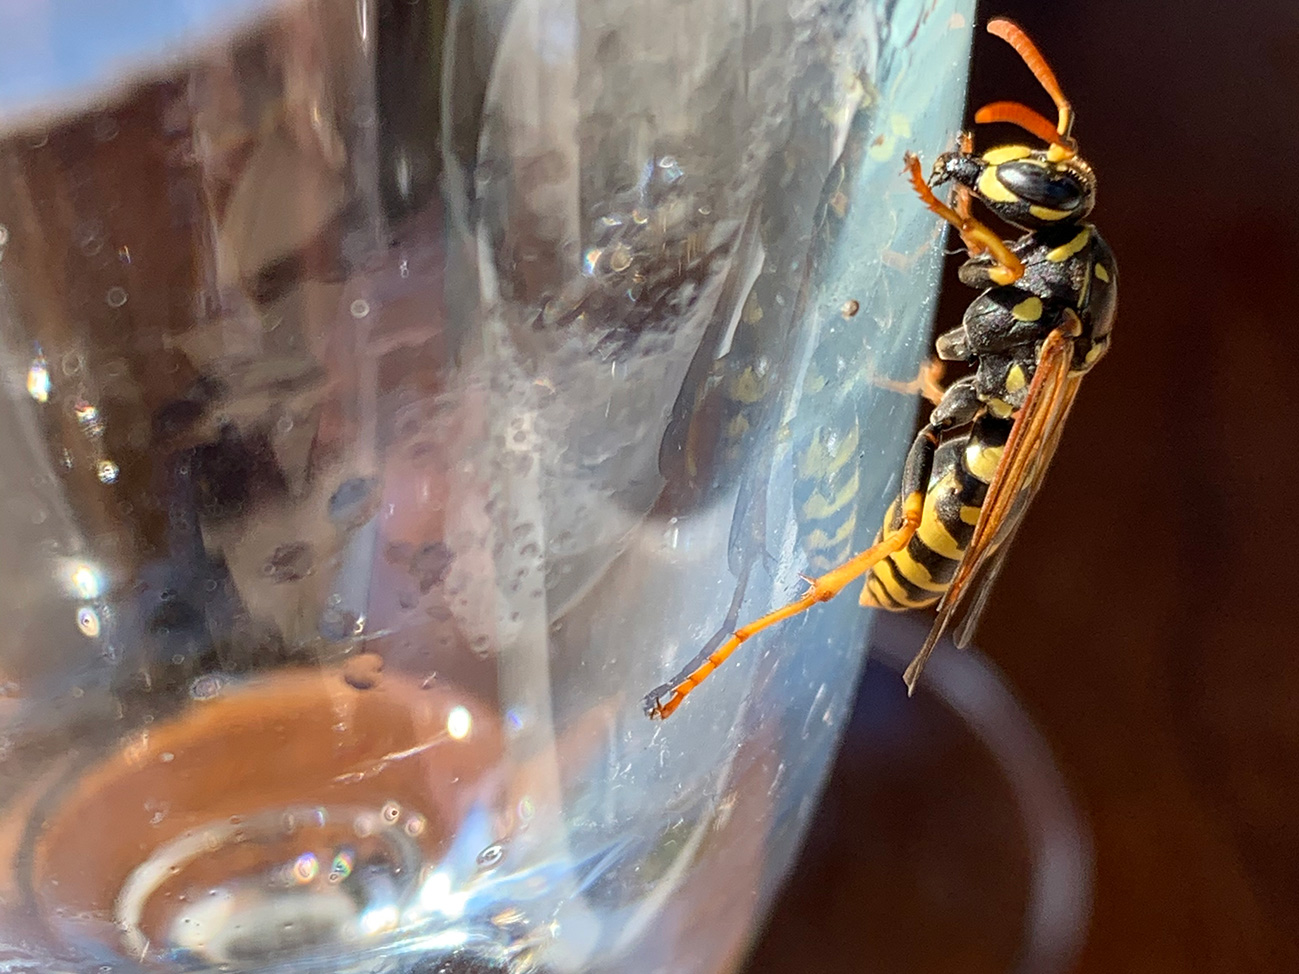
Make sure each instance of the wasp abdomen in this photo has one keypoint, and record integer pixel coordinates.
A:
(919, 574)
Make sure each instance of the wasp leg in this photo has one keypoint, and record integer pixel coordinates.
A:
(977, 237)
(962, 198)
(928, 382)
(662, 701)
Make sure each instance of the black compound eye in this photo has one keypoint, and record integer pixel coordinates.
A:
(1042, 185)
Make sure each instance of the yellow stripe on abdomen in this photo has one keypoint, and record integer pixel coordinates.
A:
(921, 572)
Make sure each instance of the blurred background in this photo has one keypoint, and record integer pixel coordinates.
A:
(1146, 619)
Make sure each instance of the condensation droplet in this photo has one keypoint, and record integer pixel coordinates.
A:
(415, 825)
(390, 812)
(206, 687)
(360, 308)
(306, 868)
(491, 857)
(106, 471)
(115, 296)
(88, 622)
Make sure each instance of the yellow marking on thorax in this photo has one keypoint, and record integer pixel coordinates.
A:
(932, 532)
(915, 573)
(990, 188)
(982, 461)
(1101, 273)
(1030, 309)
(1046, 213)
(1015, 379)
(1006, 153)
(1000, 408)
(1058, 255)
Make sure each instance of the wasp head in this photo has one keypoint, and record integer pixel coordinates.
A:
(1029, 188)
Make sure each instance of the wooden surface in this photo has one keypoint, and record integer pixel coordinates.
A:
(1147, 617)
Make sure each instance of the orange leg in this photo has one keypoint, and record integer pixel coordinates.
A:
(977, 237)
(661, 702)
(961, 196)
(927, 383)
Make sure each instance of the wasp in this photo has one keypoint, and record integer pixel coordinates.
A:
(1041, 322)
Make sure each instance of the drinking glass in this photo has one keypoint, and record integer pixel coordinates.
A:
(393, 392)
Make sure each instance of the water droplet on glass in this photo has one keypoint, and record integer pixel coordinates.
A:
(306, 868)
(337, 623)
(166, 757)
(106, 471)
(363, 671)
(4, 234)
(390, 812)
(115, 296)
(289, 562)
(620, 258)
(206, 687)
(415, 824)
(360, 308)
(353, 503)
(430, 564)
(88, 622)
(491, 857)
(341, 867)
(38, 380)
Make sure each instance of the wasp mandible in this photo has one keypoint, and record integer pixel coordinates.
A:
(1041, 321)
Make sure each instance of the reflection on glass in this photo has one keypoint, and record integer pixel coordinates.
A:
(394, 391)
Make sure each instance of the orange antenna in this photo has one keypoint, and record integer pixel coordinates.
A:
(1011, 33)
(1023, 116)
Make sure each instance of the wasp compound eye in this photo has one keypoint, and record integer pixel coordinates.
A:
(1042, 185)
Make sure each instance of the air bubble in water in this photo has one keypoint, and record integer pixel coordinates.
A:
(391, 811)
(115, 296)
(360, 308)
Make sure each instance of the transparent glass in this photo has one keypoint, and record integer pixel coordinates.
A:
(393, 392)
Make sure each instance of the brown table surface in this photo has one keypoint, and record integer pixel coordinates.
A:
(1146, 617)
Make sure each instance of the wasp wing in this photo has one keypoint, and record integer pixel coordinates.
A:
(982, 583)
(1019, 474)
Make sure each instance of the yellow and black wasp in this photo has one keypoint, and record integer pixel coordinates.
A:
(1042, 321)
